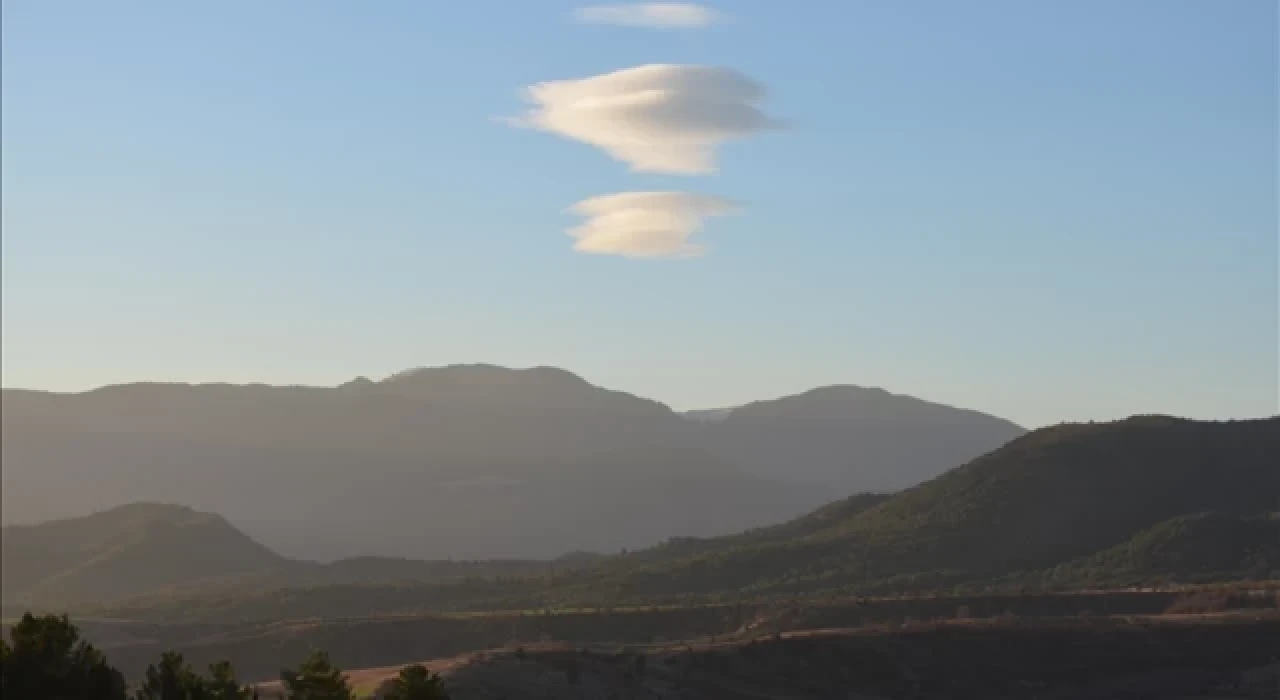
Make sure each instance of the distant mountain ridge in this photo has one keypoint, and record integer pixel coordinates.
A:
(470, 461)
(830, 434)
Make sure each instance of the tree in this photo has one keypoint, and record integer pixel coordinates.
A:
(171, 679)
(316, 679)
(48, 660)
(416, 683)
(222, 684)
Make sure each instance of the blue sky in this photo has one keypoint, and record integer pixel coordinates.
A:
(1045, 210)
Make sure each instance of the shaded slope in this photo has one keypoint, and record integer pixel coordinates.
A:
(1189, 549)
(166, 552)
(945, 662)
(1048, 498)
(125, 551)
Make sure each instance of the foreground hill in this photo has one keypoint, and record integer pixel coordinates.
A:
(1079, 661)
(1012, 646)
(466, 461)
(1046, 499)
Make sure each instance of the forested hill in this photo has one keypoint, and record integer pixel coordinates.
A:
(1049, 498)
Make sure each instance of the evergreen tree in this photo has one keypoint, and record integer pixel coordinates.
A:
(316, 679)
(171, 679)
(48, 660)
(416, 683)
(222, 684)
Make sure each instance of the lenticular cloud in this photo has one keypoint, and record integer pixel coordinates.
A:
(645, 224)
(650, 15)
(657, 118)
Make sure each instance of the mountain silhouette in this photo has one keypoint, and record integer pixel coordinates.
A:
(470, 461)
(854, 438)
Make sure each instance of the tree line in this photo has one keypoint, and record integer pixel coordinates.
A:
(46, 658)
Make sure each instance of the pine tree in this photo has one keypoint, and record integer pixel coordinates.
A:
(316, 679)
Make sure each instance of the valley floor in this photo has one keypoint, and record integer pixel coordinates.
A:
(1220, 655)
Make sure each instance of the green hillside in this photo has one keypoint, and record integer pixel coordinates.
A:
(1188, 549)
(1048, 498)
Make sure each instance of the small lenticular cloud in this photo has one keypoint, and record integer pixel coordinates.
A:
(651, 15)
(645, 224)
(658, 118)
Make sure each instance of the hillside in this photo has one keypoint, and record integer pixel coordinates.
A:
(166, 552)
(1048, 498)
(126, 551)
(817, 648)
(1079, 661)
(471, 461)
(1190, 549)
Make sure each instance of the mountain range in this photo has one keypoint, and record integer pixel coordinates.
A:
(1145, 500)
(472, 461)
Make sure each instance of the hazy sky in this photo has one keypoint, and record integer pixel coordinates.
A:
(1046, 210)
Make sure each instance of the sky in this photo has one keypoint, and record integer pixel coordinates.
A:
(1047, 211)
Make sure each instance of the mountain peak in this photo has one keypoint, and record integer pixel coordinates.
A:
(846, 392)
(485, 375)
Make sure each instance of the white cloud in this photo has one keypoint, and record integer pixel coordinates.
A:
(645, 224)
(658, 118)
(654, 15)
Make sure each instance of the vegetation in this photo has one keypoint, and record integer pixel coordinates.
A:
(1002, 647)
(415, 683)
(316, 679)
(48, 660)
(173, 679)
(1008, 657)
(1198, 548)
